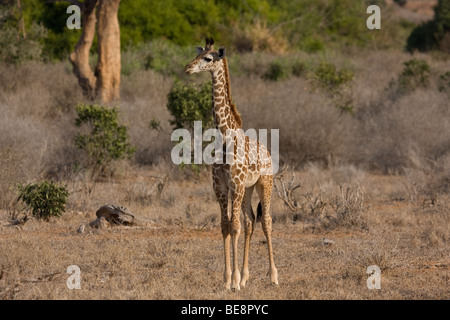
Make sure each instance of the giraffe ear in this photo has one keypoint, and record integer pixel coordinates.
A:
(222, 51)
(199, 50)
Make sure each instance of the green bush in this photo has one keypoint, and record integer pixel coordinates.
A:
(442, 17)
(45, 199)
(336, 83)
(298, 68)
(277, 70)
(280, 69)
(328, 77)
(106, 140)
(188, 103)
(311, 44)
(415, 73)
(444, 82)
(422, 37)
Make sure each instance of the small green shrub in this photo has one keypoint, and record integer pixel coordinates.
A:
(45, 199)
(188, 103)
(106, 141)
(336, 83)
(328, 77)
(444, 82)
(415, 73)
(312, 45)
(298, 68)
(277, 70)
(283, 68)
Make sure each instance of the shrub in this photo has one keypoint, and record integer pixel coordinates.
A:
(442, 17)
(282, 68)
(45, 199)
(335, 82)
(415, 73)
(422, 37)
(188, 103)
(106, 141)
(312, 45)
(277, 70)
(15, 49)
(298, 68)
(328, 77)
(444, 82)
(349, 205)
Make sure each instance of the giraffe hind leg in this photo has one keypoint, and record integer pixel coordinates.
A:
(264, 188)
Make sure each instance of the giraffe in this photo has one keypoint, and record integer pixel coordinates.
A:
(251, 169)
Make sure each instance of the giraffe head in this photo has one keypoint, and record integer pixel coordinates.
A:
(207, 58)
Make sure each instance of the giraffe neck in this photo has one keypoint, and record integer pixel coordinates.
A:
(225, 113)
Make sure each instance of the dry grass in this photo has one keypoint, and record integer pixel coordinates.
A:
(394, 151)
(180, 256)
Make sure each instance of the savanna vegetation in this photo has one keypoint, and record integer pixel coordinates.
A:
(364, 120)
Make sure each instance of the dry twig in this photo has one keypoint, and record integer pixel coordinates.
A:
(285, 189)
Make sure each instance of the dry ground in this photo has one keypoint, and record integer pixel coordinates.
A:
(180, 255)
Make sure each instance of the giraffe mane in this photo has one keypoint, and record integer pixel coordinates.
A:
(233, 109)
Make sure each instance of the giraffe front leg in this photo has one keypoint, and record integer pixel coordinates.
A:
(221, 191)
(226, 246)
(235, 231)
(237, 197)
(249, 225)
(226, 234)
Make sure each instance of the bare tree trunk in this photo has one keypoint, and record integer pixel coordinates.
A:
(108, 66)
(80, 57)
(104, 84)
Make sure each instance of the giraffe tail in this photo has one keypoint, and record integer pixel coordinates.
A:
(259, 212)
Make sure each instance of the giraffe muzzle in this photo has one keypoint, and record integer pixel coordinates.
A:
(189, 69)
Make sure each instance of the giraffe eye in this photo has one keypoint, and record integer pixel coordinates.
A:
(207, 59)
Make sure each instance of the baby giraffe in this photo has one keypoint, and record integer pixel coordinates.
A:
(250, 168)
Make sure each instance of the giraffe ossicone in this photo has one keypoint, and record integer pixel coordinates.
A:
(236, 181)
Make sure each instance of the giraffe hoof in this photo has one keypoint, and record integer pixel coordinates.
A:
(244, 279)
(273, 276)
